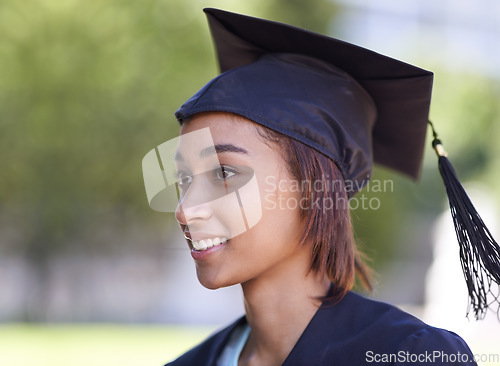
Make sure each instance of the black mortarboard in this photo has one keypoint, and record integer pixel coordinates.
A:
(351, 104)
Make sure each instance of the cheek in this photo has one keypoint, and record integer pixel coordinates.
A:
(271, 241)
(281, 215)
(240, 210)
(229, 214)
(280, 195)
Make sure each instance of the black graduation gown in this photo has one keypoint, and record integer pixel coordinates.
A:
(355, 332)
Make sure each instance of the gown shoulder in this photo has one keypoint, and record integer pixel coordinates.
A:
(355, 331)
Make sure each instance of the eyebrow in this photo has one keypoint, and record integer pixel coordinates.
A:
(222, 148)
(218, 149)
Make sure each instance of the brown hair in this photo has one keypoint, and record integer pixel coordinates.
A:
(328, 230)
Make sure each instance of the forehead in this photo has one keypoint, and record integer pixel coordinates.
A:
(239, 132)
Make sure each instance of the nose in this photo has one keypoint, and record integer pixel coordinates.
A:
(189, 215)
(194, 205)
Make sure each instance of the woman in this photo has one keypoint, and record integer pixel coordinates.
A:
(269, 153)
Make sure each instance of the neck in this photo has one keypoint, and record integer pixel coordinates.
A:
(279, 306)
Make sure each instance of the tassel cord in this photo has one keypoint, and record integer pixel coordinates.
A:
(479, 252)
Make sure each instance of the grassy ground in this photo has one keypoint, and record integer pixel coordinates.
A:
(95, 345)
(128, 345)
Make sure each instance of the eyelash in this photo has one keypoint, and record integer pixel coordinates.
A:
(225, 169)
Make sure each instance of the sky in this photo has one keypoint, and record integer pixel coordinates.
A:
(460, 34)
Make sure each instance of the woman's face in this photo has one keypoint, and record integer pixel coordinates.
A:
(265, 249)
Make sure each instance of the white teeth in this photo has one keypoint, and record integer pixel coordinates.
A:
(202, 245)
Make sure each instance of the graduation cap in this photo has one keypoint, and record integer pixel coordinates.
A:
(372, 107)
(349, 103)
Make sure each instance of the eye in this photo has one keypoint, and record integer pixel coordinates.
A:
(183, 179)
(224, 173)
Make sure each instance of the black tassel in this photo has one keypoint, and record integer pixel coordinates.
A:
(479, 252)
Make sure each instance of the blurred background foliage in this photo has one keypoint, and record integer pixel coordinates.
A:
(88, 87)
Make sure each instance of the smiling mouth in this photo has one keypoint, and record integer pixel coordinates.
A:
(202, 245)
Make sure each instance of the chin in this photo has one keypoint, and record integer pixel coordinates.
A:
(209, 284)
(213, 282)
